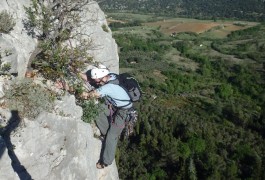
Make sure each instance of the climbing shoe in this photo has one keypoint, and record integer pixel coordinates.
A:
(101, 165)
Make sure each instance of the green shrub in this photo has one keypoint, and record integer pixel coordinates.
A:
(28, 99)
(57, 61)
(105, 28)
(90, 110)
(5, 67)
(6, 22)
(47, 22)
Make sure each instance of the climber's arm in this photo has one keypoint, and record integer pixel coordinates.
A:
(62, 85)
(91, 94)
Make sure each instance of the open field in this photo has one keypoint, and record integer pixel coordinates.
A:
(221, 28)
(167, 25)
(198, 36)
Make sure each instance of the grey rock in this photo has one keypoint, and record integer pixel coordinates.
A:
(54, 146)
(104, 48)
(6, 168)
(18, 41)
(9, 54)
(58, 144)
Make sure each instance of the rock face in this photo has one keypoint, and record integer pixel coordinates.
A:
(57, 144)
(105, 48)
(17, 42)
(53, 146)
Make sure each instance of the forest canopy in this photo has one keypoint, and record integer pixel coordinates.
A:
(215, 9)
(203, 111)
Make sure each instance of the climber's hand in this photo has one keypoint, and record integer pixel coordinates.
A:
(91, 94)
(59, 84)
(85, 95)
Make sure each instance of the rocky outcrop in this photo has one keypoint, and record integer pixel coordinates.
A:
(17, 42)
(57, 144)
(104, 46)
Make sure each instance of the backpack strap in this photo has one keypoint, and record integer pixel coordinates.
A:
(116, 81)
(130, 102)
(109, 102)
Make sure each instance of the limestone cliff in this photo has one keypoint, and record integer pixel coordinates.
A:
(56, 144)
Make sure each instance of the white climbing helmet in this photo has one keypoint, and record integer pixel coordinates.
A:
(97, 73)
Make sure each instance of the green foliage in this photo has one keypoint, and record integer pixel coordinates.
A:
(28, 99)
(202, 124)
(135, 50)
(6, 22)
(105, 28)
(215, 9)
(136, 43)
(197, 145)
(182, 47)
(115, 25)
(53, 26)
(248, 43)
(250, 162)
(5, 67)
(178, 83)
(158, 174)
(90, 110)
(184, 150)
(60, 61)
(225, 90)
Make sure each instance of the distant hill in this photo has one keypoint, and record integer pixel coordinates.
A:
(238, 9)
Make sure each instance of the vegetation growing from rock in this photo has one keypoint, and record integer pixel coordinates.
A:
(54, 23)
(105, 28)
(6, 22)
(62, 49)
(29, 98)
(90, 110)
(5, 67)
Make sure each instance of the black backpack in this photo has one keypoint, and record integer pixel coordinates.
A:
(129, 84)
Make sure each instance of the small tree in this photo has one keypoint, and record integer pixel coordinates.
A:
(54, 23)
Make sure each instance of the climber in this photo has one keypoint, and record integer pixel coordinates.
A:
(111, 120)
